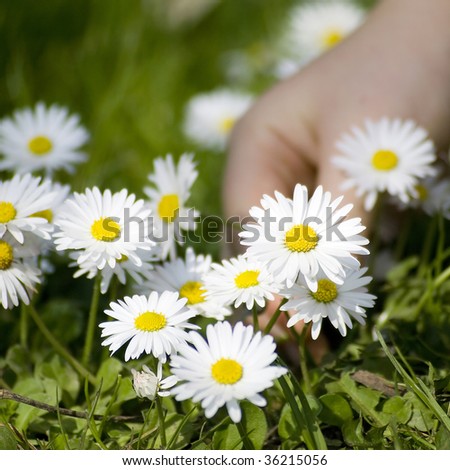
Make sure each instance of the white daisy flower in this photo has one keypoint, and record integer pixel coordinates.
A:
(41, 139)
(232, 365)
(18, 273)
(338, 303)
(149, 385)
(300, 236)
(316, 27)
(22, 202)
(432, 195)
(123, 269)
(61, 192)
(168, 196)
(155, 325)
(210, 117)
(387, 155)
(240, 281)
(104, 227)
(186, 278)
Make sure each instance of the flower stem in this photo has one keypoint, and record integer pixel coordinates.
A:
(58, 347)
(92, 321)
(255, 318)
(274, 318)
(23, 325)
(162, 427)
(303, 359)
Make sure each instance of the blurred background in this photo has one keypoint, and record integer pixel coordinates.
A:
(129, 67)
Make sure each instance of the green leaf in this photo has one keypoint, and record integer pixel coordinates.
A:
(109, 372)
(335, 410)
(443, 439)
(399, 408)
(352, 432)
(227, 438)
(172, 425)
(287, 427)
(254, 423)
(422, 418)
(200, 446)
(43, 390)
(62, 373)
(18, 359)
(363, 399)
(7, 439)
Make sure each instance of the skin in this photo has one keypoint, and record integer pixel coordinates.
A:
(397, 65)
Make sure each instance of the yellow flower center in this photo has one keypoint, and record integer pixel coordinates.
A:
(45, 214)
(7, 212)
(326, 291)
(226, 371)
(301, 238)
(422, 192)
(193, 291)
(331, 38)
(150, 321)
(6, 255)
(247, 279)
(168, 206)
(105, 229)
(40, 145)
(384, 160)
(226, 124)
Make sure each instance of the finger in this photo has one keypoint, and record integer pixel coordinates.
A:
(267, 152)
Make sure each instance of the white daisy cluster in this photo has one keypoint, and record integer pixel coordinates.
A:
(210, 117)
(118, 235)
(27, 205)
(43, 139)
(314, 28)
(308, 246)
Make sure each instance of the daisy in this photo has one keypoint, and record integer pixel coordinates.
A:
(61, 192)
(316, 27)
(171, 185)
(233, 364)
(18, 273)
(300, 236)
(104, 227)
(241, 281)
(41, 139)
(22, 202)
(155, 325)
(123, 269)
(432, 195)
(148, 385)
(210, 117)
(338, 303)
(186, 278)
(387, 155)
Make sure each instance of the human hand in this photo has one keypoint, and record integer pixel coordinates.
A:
(396, 65)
